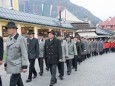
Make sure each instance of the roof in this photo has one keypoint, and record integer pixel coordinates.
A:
(69, 16)
(109, 21)
(33, 19)
(104, 31)
(88, 34)
(101, 32)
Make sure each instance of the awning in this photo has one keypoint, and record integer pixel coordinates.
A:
(88, 34)
(101, 31)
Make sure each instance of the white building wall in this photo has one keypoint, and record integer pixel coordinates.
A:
(6, 4)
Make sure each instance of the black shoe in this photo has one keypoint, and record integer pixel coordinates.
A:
(41, 74)
(75, 69)
(47, 69)
(61, 77)
(28, 80)
(34, 76)
(51, 84)
(68, 73)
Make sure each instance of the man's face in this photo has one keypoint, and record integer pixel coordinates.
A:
(59, 37)
(40, 37)
(50, 35)
(30, 35)
(78, 40)
(68, 38)
(75, 39)
(11, 31)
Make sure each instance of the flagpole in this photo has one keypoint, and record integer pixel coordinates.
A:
(33, 8)
(11, 2)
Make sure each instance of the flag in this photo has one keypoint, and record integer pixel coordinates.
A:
(15, 5)
(51, 10)
(26, 6)
(42, 9)
(65, 13)
(58, 10)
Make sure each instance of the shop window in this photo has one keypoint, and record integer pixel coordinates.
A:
(43, 31)
(25, 29)
(4, 32)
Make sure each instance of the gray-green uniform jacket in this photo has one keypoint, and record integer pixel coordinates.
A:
(16, 54)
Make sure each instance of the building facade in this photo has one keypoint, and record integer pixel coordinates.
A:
(26, 21)
(108, 24)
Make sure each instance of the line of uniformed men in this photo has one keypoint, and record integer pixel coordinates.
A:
(57, 50)
(54, 49)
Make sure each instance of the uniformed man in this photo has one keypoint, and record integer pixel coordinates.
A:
(72, 51)
(53, 53)
(101, 47)
(45, 37)
(88, 48)
(74, 61)
(1, 55)
(82, 49)
(92, 47)
(64, 54)
(41, 42)
(16, 55)
(95, 47)
(79, 50)
(33, 53)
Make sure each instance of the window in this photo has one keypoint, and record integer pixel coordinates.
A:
(108, 26)
(4, 32)
(25, 29)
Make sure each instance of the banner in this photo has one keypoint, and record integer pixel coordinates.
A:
(42, 9)
(26, 6)
(15, 5)
(51, 10)
(65, 13)
(58, 8)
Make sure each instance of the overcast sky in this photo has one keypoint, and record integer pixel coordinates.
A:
(101, 8)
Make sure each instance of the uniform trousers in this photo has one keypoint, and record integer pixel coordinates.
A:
(47, 66)
(41, 64)
(0, 81)
(74, 62)
(61, 68)
(69, 65)
(53, 73)
(16, 80)
(32, 68)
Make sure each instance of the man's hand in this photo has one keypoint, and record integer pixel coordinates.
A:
(24, 70)
(1, 62)
(60, 60)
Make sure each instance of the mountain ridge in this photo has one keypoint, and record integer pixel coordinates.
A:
(79, 11)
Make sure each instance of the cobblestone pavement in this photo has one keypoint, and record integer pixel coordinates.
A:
(96, 71)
